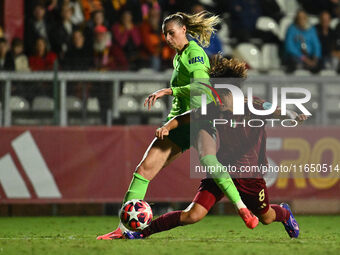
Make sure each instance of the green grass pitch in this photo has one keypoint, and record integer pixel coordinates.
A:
(213, 235)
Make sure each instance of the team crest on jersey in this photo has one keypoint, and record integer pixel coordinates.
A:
(196, 59)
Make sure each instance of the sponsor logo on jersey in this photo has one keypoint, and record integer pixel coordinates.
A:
(196, 59)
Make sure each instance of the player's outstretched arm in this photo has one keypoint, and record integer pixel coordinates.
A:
(300, 118)
(151, 99)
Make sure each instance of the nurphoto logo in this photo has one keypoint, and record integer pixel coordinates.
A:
(268, 108)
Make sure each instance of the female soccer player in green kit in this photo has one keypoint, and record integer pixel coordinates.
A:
(190, 62)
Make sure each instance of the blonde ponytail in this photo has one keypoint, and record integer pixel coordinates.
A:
(200, 26)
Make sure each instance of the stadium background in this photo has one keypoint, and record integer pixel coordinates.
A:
(72, 123)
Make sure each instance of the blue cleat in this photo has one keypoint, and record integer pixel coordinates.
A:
(133, 235)
(291, 225)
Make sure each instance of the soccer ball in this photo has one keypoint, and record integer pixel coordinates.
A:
(136, 214)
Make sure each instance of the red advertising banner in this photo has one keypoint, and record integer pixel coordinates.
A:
(309, 150)
(95, 164)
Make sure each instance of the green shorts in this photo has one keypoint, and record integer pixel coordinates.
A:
(185, 136)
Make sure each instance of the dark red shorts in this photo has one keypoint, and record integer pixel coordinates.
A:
(252, 191)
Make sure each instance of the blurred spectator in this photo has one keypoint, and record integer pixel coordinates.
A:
(78, 57)
(315, 7)
(154, 48)
(147, 6)
(114, 8)
(128, 38)
(271, 9)
(6, 62)
(52, 5)
(1, 32)
(336, 49)
(172, 6)
(77, 12)
(215, 46)
(43, 59)
(107, 56)
(97, 19)
(243, 16)
(37, 28)
(91, 6)
(327, 39)
(222, 7)
(302, 46)
(197, 8)
(20, 60)
(53, 8)
(62, 34)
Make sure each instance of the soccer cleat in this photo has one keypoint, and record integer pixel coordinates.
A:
(249, 219)
(117, 234)
(291, 225)
(132, 235)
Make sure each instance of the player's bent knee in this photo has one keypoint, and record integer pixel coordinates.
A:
(145, 171)
(265, 220)
(141, 170)
(195, 217)
(191, 217)
(267, 217)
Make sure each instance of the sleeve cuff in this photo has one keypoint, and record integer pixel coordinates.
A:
(174, 91)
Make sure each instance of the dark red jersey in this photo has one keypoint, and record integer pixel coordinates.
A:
(241, 147)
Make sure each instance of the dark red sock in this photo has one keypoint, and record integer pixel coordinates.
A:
(282, 214)
(164, 222)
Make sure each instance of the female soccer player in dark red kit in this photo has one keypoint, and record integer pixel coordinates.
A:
(239, 146)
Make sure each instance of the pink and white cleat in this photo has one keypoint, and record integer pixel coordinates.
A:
(117, 234)
(249, 219)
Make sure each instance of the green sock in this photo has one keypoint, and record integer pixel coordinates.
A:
(222, 179)
(137, 188)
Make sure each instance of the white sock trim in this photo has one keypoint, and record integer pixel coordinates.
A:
(121, 226)
(240, 204)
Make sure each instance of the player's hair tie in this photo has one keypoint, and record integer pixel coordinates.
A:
(179, 15)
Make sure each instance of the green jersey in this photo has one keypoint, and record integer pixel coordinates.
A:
(192, 63)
